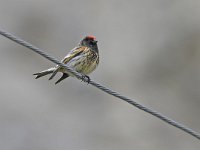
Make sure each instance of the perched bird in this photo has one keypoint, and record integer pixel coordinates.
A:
(84, 59)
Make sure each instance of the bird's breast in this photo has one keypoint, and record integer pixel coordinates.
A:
(85, 63)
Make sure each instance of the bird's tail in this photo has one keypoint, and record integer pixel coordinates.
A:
(44, 73)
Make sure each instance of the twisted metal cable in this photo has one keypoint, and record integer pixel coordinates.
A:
(101, 87)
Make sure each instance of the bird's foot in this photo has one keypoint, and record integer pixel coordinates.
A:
(85, 78)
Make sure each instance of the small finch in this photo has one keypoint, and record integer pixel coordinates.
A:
(84, 59)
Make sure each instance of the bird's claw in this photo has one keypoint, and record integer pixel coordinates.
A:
(85, 78)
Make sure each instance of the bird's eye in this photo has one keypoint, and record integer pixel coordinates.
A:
(91, 43)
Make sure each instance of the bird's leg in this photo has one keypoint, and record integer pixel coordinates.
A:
(85, 78)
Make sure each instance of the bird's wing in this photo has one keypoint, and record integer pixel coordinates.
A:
(73, 53)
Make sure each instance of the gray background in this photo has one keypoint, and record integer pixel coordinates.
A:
(149, 50)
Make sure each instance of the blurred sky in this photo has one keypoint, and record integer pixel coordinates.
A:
(149, 51)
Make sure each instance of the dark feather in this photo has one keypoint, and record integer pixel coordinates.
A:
(62, 78)
(43, 73)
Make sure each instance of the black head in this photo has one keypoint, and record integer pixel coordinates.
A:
(90, 41)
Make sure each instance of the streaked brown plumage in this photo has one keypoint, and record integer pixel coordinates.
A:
(83, 59)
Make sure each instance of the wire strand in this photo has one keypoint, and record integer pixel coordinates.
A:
(101, 87)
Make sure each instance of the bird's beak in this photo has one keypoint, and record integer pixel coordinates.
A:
(95, 42)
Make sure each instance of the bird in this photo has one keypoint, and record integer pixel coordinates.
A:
(84, 59)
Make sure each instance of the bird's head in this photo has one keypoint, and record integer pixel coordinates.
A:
(90, 41)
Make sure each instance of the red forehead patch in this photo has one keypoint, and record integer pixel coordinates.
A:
(91, 37)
